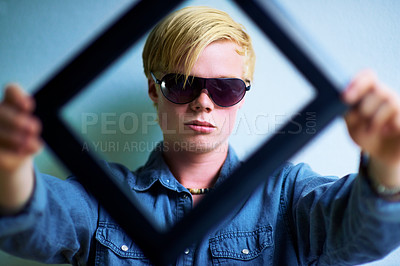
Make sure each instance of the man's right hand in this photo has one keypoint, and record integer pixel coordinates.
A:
(19, 141)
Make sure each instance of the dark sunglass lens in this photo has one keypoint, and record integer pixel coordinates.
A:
(172, 88)
(226, 92)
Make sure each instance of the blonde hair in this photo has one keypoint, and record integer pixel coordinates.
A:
(176, 42)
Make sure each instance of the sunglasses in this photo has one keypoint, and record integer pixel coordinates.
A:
(224, 92)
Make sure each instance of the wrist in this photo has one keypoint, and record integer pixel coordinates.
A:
(383, 179)
(16, 189)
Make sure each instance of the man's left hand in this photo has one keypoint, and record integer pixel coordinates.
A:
(374, 124)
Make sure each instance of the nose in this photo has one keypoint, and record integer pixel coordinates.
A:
(203, 103)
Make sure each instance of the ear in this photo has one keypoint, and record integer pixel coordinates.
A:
(153, 94)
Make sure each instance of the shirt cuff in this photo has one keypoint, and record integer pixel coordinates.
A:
(372, 204)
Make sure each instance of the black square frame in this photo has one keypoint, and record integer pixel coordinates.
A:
(122, 206)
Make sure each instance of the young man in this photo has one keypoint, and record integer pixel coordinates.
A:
(297, 217)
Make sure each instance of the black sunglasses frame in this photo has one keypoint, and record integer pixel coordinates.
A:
(163, 247)
(192, 78)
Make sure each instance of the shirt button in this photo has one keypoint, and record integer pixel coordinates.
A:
(245, 251)
(187, 251)
(124, 247)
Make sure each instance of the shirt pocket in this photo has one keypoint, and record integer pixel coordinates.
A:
(239, 247)
(116, 248)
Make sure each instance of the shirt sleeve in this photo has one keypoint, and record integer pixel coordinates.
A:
(56, 225)
(340, 220)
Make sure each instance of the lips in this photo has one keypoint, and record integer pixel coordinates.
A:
(200, 126)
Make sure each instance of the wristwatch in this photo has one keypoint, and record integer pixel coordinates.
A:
(381, 190)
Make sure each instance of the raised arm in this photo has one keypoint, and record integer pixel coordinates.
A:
(19, 141)
(42, 217)
(353, 220)
(374, 124)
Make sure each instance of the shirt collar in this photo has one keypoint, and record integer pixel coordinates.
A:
(156, 169)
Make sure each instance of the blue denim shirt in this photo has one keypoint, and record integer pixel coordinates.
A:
(296, 217)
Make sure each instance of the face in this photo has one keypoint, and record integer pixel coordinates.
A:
(201, 125)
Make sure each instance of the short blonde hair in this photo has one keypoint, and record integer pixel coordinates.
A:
(176, 42)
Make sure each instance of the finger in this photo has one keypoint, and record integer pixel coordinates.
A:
(32, 145)
(357, 126)
(352, 119)
(18, 121)
(393, 100)
(19, 142)
(370, 104)
(361, 85)
(381, 119)
(34, 126)
(14, 95)
(392, 125)
(11, 140)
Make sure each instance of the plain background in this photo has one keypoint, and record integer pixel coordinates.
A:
(37, 37)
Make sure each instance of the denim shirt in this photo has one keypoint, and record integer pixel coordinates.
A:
(296, 217)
